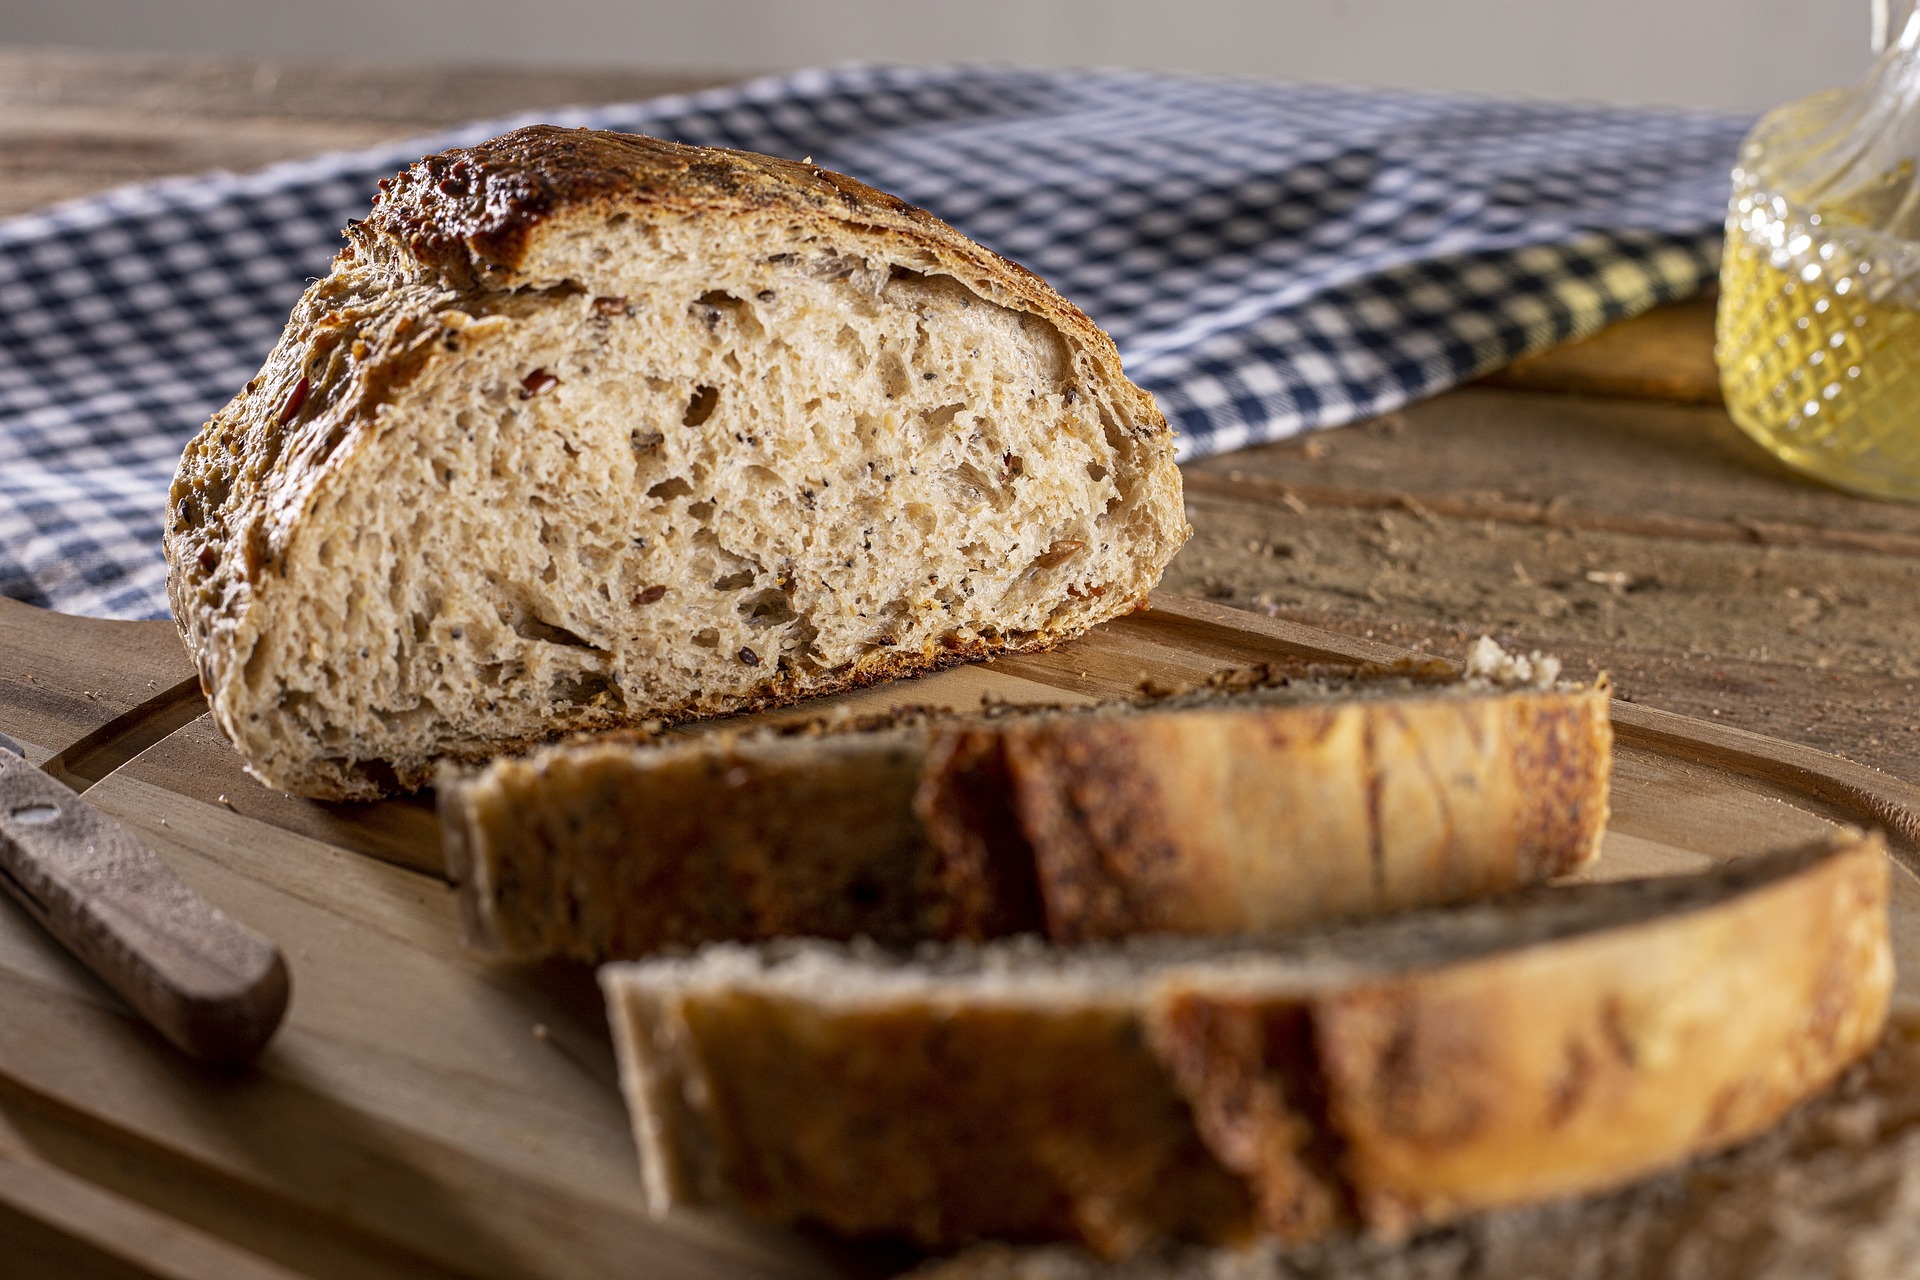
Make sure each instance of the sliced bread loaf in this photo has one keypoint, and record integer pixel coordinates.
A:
(1831, 1193)
(1272, 798)
(1388, 1075)
(585, 429)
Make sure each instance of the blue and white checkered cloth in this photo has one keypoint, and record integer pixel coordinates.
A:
(1270, 258)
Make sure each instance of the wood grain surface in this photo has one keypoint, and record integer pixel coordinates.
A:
(428, 1112)
(73, 123)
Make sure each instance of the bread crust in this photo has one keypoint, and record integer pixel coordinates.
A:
(1221, 822)
(489, 229)
(1499, 1065)
(1824, 1195)
(1551, 1070)
(1221, 817)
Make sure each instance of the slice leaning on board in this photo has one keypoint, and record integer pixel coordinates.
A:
(1270, 798)
(1385, 1076)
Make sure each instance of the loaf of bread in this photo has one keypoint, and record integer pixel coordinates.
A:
(1386, 1076)
(1831, 1193)
(1271, 798)
(586, 429)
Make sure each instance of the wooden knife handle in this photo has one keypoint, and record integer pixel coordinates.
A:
(209, 984)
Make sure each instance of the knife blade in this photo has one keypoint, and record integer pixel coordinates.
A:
(213, 987)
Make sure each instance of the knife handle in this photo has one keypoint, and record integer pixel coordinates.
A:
(206, 982)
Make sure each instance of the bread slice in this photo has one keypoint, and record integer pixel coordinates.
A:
(585, 429)
(1831, 1193)
(1273, 798)
(1390, 1075)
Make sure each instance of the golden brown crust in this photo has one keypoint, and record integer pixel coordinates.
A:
(1557, 745)
(476, 211)
(1552, 1070)
(1225, 816)
(1824, 1195)
(1176, 823)
(1385, 1078)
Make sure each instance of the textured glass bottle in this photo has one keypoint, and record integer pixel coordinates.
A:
(1819, 322)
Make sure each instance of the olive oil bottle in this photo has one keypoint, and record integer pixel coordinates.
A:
(1818, 336)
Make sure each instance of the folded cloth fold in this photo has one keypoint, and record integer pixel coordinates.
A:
(1270, 259)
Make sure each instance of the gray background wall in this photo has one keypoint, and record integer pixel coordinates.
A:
(1706, 53)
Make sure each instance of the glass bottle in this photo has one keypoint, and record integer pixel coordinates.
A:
(1818, 334)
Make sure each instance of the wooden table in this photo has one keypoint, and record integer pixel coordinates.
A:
(1595, 501)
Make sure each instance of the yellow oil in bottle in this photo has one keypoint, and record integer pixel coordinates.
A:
(1817, 363)
(1818, 337)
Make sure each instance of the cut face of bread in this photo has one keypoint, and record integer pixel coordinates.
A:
(1386, 1076)
(587, 429)
(1275, 798)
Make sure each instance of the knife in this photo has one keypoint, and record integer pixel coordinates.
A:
(212, 986)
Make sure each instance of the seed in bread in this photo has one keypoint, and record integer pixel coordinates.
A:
(1385, 1076)
(585, 429)
(1273, 798)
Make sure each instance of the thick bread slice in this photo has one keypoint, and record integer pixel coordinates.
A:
(1275, 798)
(1831, 1193)
(585, 429)
(1393, 1074)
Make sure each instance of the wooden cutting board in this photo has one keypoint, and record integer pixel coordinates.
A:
(426, 1112)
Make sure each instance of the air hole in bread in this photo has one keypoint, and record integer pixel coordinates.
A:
(708, 638)
(531, 626)
(583, 687)
(380, 773)
(942, 417)
(769, 608)
(735, 581)
(700, 407)
(674, 487)
(892, 371)
(254, 669)
(715, 305)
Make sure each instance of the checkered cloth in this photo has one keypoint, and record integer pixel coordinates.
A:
(1270, 258)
